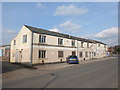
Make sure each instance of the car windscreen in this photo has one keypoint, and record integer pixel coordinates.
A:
(73, 57)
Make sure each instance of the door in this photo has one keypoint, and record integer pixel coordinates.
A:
(16, 55)
(90, 55)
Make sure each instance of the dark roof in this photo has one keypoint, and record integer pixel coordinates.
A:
(4, 45)
(44, 31)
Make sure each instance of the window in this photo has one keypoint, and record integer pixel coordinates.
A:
(42, 53)
(14, 42)
(60, 41)
(86, 54)
(60, 53)
(73, 42)
(24, 38)
(73, 53)
(82, 44)
(1, 52)
(42, 39)
(90, 54)
(81, 54)
(94, 54)
(87, 45)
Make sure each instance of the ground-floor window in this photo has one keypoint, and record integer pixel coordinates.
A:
(80, 54)
(86, 54)
(73, 53)
(42, 53)
(90, 54)
(60, 53)
(94, 54)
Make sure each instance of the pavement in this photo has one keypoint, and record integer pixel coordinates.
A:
(65, 65)
(96, 73)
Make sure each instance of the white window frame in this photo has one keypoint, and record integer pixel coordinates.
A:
(42, 54)
(42, 39)
(60, 55)
(14, 42)
(73, 42)
(24, 38)
(60, 41)
(80, 54)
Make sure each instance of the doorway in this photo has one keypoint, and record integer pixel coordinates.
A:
(16, 55)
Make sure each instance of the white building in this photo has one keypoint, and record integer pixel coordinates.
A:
(34, 45)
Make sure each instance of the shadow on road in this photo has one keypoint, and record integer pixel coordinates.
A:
(8, 67)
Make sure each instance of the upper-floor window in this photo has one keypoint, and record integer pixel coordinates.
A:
(87, 45)
(73, 42)
(14, 42)
(24, 38)
(42, 53)
(82, 44)
(42, 39)
(60, 53)
(60, 41)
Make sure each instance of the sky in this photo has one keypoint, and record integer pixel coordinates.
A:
(91, 20)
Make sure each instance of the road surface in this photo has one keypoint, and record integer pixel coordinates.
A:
(100, 74)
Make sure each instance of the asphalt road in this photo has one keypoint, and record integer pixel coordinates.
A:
(102, 74)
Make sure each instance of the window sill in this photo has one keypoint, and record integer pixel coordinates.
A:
(60, 57)
(42, 58)
(60, 45)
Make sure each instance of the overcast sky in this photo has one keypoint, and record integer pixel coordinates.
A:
(93, 20)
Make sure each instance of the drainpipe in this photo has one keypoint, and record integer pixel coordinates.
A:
(77, 49)
(31, 49)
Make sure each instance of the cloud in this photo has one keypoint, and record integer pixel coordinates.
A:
(40, 5)
(70, 10)
(108, 33)
(54, 29)
(7, 36)
(9, 32)
(111, 41)
(108, 36)
(67, 27)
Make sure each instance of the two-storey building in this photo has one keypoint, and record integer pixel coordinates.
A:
(34, 45)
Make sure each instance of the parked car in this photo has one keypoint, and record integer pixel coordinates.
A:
(72, 59)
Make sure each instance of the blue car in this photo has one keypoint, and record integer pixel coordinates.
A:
(72, 59)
